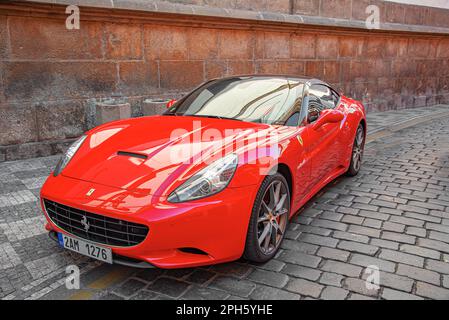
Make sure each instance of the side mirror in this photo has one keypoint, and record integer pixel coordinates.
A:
(328, 116)
(170, 103)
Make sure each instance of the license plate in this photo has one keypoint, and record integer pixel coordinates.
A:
(85, 248)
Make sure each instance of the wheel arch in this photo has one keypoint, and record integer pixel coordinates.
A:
(284, 170)
(363, 123)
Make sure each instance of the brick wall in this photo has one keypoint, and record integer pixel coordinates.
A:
(51, 78)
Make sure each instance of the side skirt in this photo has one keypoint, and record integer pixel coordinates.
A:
(335, 174)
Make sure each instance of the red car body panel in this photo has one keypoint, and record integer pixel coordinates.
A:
(213, 226)
(136, 190)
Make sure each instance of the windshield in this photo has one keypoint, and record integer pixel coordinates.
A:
(254, 99)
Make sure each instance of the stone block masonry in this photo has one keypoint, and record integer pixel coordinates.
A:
(51, 78)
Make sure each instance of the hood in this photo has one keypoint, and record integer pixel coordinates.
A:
(149, 154)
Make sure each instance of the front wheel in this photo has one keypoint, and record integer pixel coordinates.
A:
(357, 152)
(269, 219)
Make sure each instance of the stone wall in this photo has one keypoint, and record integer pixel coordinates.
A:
(339, 9)
(51, 77)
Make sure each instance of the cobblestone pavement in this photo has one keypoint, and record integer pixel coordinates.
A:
(30, 264)
(378, 120)
(394, 214)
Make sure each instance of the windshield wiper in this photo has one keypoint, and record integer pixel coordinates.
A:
(199, 115)
(212, 117)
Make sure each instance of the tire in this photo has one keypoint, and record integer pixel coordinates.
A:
(357, 152)
(267, 215)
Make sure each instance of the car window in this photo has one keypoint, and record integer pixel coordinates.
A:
(253, 99)
(321, 97)
(336, 97)
(324, 94)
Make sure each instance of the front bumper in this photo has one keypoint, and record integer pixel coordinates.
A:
(216, 226)
(129, 262)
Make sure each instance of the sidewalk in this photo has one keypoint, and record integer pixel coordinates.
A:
(32, 266)
(378, 121)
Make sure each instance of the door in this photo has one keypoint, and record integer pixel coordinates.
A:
(298, 151)
(325, 148)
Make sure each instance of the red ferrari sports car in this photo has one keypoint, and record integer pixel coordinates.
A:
(215, 178)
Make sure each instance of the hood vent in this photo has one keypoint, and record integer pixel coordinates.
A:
(131, 154)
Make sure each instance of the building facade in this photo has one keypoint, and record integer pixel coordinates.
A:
(51, 77)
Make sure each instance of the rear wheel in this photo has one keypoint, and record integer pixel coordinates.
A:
(357, 152)
(269, 219)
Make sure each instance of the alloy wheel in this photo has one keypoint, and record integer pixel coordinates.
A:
(273, 215)
(357, 153)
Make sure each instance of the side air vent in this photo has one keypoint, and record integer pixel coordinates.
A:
(132, 154)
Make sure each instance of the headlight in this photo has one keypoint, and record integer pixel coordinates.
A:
(209, 181)
(68, 155)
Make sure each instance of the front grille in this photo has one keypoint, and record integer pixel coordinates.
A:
(100, 229)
